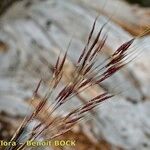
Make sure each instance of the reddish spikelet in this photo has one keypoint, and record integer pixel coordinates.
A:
(95, 100)
(124, 47)
(59, 66)
(73, 120)
(77, 114)
(65, 93)
(95, 41)
(116, 59)
(63, 61)
(88, 68)
(87, 109)
(57, 74)
(57, 79)
(37, 126)
(81, 56)
(111, 70)
(86, 82)
(40, 106)
(62, 92)
(72, 113)
(99, 97)
(37, 88)
(91, 33)
(56, 66)
(99, 47)
(103, 99)
(87, 105)
(89, 39)
(92, 46)
(93, 103)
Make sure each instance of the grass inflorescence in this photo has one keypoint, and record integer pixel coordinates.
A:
(87, 73)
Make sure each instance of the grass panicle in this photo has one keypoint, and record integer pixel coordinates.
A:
(86, 74)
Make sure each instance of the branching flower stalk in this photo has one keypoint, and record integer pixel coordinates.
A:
(86, 74)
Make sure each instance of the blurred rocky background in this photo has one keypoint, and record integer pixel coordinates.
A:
(32, 32)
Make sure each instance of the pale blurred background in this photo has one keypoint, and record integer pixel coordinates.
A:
(32, 32)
